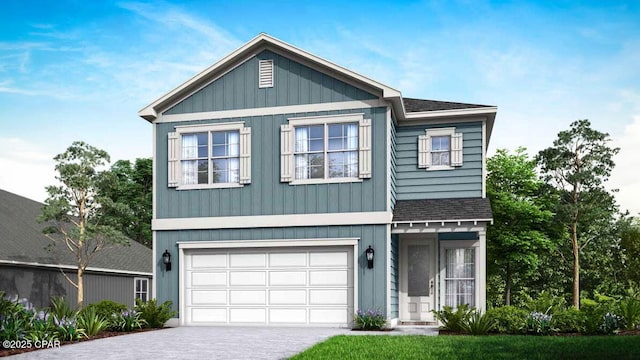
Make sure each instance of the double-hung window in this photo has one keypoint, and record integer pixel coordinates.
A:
(440, 149)
(326, 151)
(460, 276)
(141, 290)
(215, 155)
(334, 148)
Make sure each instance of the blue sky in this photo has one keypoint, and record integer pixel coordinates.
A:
(80, 70)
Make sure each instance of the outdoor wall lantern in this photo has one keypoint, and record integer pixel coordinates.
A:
(166, 260)
(369, 253)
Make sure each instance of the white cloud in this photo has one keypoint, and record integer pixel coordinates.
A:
(625, 175)
(31, 168)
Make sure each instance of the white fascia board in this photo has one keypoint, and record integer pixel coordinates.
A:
(275, 110)
(267, 243)
(416, 229)
(71, 267)
(150, 112)
(449, 113)
(292, 220)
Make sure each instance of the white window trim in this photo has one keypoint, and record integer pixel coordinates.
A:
(135, 292)
(429, 133)
(321, 120)
(188, 129)
(460, 244)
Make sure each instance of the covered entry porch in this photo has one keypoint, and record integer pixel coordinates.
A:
(438, 256)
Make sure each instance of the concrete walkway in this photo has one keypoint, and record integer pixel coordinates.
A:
(194, 343)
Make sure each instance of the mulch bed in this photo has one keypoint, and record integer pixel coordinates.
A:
(101, 335)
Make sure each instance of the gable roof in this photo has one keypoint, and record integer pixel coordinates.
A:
(22, 242)
(475, 209)
(404, 109)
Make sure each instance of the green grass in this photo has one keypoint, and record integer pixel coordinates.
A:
(371, 347)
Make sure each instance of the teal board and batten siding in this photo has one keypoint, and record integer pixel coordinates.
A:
(294, 84)
(372, 283)
(414, 183)
(266, 195)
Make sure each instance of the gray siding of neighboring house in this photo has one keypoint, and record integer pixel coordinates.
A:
(39, 285)
(414, 183)
(395, 271)
(294, 84)
(266, 195)
(371, 282)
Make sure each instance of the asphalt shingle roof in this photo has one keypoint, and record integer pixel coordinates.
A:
(442, 209)
(420, 105)
(22, 240)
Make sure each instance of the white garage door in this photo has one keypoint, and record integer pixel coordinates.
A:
(292, 286)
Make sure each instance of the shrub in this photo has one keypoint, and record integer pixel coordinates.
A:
(154, 316)
(508, 319)
(539, 323)
(92, 322)
(568, 320)
(545, 303)
(370, 319)
(478, 324)
(61, 309)
(630, 312)
(126, 320)
(611, 323)
(599, 317)
(106, 308)
(453, 320)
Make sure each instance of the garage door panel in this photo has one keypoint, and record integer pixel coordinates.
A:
(328, 277)
(247, 297)
(204, 297)
(247, 315)
(288, 297)
(208, 261)
(208, 315)
(324, 316)
(325, 259)
(288, 278)
(288, 316)
(247, 260)
(287, 259)
(328, 297)
(247, 278)
(208, 279)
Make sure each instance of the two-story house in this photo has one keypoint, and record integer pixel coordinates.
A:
(289, 190)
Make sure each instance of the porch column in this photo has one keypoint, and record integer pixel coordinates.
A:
(482, 276)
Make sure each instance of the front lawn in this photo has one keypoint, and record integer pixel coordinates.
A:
(474, 347)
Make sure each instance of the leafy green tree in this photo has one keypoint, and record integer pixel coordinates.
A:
(578, 164)
(75, 209)
(630, 245)
(517, 236)
(131, 184)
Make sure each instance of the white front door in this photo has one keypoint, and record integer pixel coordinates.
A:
(417, 279)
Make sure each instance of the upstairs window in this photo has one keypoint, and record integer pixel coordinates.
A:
(440, 149)
(216, 155)
(334, 148)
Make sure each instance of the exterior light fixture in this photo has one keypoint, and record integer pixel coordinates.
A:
(369, 253)
(166, 260)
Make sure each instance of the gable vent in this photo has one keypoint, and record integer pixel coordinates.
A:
(265, 73)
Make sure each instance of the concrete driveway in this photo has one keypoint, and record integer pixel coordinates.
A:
(194, 343)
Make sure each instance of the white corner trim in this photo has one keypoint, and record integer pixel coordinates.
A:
(181, 287)
(275, 110)
(484, 158)
(154, 275)
(228, 244)
(71, 267)
(244, 222)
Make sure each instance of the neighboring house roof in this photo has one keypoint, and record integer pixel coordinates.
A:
(474, 209)
(404, 109)
(23, 243)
